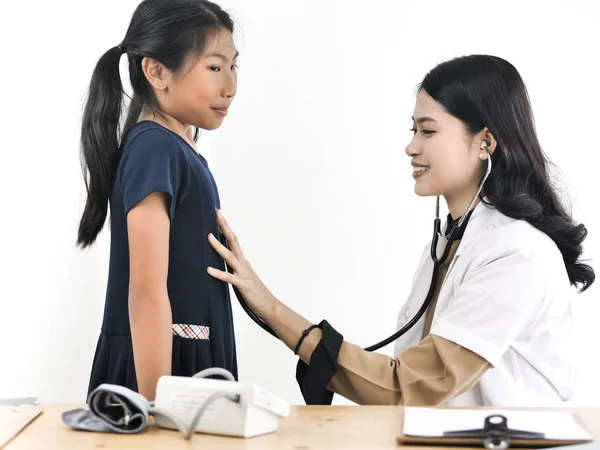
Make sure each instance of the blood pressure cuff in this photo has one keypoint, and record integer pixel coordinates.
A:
(113, 409)
(314, 378)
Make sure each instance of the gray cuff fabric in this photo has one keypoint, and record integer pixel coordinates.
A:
(113, 408)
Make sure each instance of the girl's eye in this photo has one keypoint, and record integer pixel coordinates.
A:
(214, 68)
(426, 132)
(234, 67)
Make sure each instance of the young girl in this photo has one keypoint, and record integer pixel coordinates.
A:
(497, 330)
(163, 314)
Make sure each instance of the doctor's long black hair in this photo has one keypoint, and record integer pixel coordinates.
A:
(170, 31)
(487, 91)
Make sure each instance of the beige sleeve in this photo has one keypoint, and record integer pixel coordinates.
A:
(425, 375)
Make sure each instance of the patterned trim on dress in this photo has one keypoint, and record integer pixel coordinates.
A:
(191, 331)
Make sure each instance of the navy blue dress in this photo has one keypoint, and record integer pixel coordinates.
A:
(155, 159)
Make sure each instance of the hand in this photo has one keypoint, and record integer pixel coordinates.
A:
(256, 294)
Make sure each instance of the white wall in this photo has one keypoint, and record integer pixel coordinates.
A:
(310, 164)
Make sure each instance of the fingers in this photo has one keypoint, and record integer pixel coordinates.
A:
(224, 253)
(232, 239)
(223, 276)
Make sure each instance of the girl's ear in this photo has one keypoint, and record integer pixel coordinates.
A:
(155, 72)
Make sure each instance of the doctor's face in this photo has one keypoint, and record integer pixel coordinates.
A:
(444, 156)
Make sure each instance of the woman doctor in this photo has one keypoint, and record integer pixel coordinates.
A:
(498, 328)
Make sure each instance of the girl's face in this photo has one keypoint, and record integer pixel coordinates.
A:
(445, 157)
(202, 92)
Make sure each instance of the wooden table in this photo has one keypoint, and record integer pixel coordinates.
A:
(308, 427)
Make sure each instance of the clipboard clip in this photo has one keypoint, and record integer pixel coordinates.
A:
(495, 433)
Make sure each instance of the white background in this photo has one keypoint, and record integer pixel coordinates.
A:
(310, 164)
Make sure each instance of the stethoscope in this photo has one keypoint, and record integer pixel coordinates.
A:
(450, 236)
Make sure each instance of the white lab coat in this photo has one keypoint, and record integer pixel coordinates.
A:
(506, 297)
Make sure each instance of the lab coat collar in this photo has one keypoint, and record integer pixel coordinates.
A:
(481, 219)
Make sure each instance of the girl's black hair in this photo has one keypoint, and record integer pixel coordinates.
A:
(169, 31)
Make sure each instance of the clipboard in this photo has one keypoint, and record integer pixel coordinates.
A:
(14, 418)
(495, 432)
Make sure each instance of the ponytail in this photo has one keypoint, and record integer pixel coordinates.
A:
(100, 136)
(169, 31)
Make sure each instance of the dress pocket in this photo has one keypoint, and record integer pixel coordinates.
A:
(191, 331)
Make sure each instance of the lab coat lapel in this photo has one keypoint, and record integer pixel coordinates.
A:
(480, 220)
